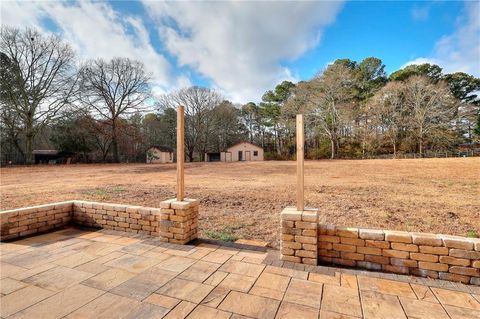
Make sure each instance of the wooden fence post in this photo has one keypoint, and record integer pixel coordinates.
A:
(300, 156)
(180, 153)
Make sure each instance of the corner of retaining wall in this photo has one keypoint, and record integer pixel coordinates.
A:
(299, 233)
(178, 220)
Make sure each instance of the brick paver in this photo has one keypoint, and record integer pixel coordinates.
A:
(74, 273)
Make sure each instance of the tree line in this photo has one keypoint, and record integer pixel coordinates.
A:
(103, 110)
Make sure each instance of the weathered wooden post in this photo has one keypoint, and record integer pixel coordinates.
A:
(300, 160)
(299, 225)
(179, 216)
(180, 153)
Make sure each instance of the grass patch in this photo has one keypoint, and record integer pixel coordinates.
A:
(227, 233)
(471, 233)
(105, 191)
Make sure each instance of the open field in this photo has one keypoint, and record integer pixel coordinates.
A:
(245, 199)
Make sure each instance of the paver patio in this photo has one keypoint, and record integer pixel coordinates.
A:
(76, 273)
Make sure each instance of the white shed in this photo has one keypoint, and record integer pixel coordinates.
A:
(243, 151)
(160, 155)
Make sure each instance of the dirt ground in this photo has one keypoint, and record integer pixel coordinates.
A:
(244, 199)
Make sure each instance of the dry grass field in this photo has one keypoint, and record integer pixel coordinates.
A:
(245, 199)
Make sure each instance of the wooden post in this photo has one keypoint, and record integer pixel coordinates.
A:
(300, 155)
(180, 153)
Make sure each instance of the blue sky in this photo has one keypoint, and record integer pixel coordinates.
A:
(242, 49)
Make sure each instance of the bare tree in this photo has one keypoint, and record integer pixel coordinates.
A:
(42, 79)
(387, 108)
(113, 89)
(326, 97)
(198, 103)
(431, 107)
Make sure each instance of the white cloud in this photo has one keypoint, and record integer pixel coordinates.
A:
(95, 30)
(459, 51)
(240, 46)
(420, 13)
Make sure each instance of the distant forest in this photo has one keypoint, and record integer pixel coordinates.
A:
(103, 110)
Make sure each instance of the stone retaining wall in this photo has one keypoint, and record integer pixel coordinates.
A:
(181, 218)
(27, 221)
(445, 257)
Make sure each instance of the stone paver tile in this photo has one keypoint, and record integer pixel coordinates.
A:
(235, 316)
(58, 278)
(286, 272)
(106, 306)
(75, 260)
(384, 286)
(304, 292)
(162, 301)
(476, 297)
(289, 310)
(143, 285)
(342, 300)
(178, 252)
(8, 269)
(216, 278)
(181, 311)
(61, 304)
(199, 253)
(9, 285)
(176, 264)
(380, 306)
(137, 248)
(156, 255)
(186, 290)
(456, 298)
(266, 292)
(125, 241)
(462, 313)
(101, 249)
(228, 250)
(215, 297)
(31, 272)
(252, 260)
(89, 235)
(333, 315)
(109, 279)
(215, 257)
(423, 293)
(106, 238)
(422, 309)
(237, 282)
(249, 305)
(132, 263)
(199, 271)
(273, 281)
(325, 279)
(241, 268)
(92, 267)
(204, 312)
(21, 299)
(349, 281)
(146, 311)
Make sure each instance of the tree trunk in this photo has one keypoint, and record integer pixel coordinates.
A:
(116, 158)
(332, 145)
(394, 150)
(29, 143)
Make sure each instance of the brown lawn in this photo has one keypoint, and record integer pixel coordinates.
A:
(245, 199)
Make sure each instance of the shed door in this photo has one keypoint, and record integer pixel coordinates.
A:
(240, 156)
(247, 156)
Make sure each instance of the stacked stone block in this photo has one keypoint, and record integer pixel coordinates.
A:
(31, 220)
(299, 235)
(446, 257)
(135, 219)
(178, 220)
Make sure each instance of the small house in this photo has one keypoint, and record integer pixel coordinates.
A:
(243, 151)
(159, 155)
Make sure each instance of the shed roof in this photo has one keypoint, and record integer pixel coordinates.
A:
(162, 148)
(245, 143)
